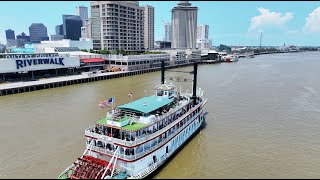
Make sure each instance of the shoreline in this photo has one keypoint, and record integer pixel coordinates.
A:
(48, 83)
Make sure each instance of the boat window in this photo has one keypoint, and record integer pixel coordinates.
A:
(159, 93)
(170, 93)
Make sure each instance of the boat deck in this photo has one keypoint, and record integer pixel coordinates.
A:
(133, 127)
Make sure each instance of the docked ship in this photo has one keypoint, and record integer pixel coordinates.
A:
(135, 139)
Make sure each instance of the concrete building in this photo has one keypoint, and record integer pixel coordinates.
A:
(38, 32)
(162, 45)
(203, 41)
(135, 62)
(82, 11)
(87, 25)
(167, 32)
(72, 27)
(148, 27)
(10, 34)
(203, 31)
(117, 25)
(22, 39)
(182, 56)
(59, 29)
(204, 44)
(56, 37)
(184, 25)
(53, 46)
(10, 37)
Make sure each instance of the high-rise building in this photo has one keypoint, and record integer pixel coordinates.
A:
(59, 29)
(167, 32)
(203, 41)
(87, 25)
(184, 25)
(22, 39)
(38, 32)
(10, 34)
(10, 37)
(149, 27)
(117, 25)
(82, 11)
(203, 31)
(72, 27)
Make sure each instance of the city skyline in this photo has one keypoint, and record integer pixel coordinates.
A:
(281, 22)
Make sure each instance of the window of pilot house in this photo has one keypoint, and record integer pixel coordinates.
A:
(159, 93)
(171, 93)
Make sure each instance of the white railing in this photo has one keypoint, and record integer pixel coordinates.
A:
(145, 138)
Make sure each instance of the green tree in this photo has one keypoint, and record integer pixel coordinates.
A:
(122, 51)
(91, 51)
(84, 50)
(104, 51)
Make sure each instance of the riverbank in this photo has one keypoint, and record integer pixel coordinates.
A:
(47, 83)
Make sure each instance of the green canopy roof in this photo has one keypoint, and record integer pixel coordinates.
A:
(146, 104)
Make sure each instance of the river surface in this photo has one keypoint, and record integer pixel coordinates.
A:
(263, 121)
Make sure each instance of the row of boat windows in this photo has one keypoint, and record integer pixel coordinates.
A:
(119, 134)
(146, 146)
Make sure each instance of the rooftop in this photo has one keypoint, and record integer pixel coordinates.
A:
(146, 104)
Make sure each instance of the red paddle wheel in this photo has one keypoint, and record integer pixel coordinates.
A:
(89, 167)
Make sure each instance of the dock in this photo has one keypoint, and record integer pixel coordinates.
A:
(48, 83)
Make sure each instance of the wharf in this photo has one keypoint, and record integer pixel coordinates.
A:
(20, 87)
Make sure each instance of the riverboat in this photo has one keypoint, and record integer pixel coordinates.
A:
(136, 138)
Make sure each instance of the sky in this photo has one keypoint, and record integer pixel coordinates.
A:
(230, 22)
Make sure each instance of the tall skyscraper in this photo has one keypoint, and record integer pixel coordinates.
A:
(59, 29)
(167, 32)
(38, 32)
(10, 37)
(117, 25)
(72, 27)
(10, 34)
(149, 27)
(184, 25)
(87, 25)
(203, 31)
(203, 41)
(82, 11)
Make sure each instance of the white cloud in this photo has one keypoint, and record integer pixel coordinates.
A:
(267, 18)
(313, 21)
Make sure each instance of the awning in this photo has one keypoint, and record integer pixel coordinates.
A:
(91, 60)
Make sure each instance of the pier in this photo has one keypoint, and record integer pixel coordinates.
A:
(21, 87)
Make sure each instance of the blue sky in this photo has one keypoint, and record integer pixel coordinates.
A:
(230, 22)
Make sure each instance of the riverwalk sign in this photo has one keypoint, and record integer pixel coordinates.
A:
(31, 62)
(37, 63)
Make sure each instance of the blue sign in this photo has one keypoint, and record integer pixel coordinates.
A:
(32, 62)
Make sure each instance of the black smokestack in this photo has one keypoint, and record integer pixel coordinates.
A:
(195, 73)
(162, 72)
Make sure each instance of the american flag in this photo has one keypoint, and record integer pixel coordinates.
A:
(108, 102)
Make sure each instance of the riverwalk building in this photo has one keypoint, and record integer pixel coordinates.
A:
(181, 56)
(136, 62)
(51, 46)
(22, 66)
